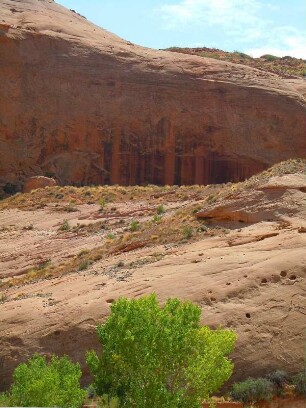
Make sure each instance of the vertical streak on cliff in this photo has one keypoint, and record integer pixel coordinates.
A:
(200, 172)
(169, 138)
(116, 162)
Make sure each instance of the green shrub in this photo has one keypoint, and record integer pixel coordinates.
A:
(65, 226)
(156, 356)
(269, 57)
(241, 54)
(3, 298)
(44, 264)
(84, 265)
(5, 400)
(102, 203)
(38, 383)
(187, 231)
(134, 226)
(160, 210)
(156, 219)
(299, 381)
(252, 390)
(279, 379)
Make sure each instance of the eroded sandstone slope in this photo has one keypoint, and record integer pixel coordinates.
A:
(87, 107)
(237, 250)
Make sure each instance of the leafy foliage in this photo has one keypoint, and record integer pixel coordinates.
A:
(41, 384)
(5, 400)
(159, 356)
(252, 390)
(299, 381)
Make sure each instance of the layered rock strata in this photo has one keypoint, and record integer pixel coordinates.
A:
(86, 107)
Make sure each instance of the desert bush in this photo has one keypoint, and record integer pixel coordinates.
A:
(269, 57)
(279, 379)
(159, 356)
(134, 226)
(65, 226)
(252, 390)
(187, 231)
(3, 298)
(299, 381)
(84, 265)
(102, 203)
(44, 264)
(160, 210)
(156, 219)
(40, 383)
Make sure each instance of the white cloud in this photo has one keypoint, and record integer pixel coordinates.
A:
(293, 46)
(213, 12)
(241, 21)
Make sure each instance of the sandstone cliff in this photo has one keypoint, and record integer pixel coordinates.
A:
(87, 107)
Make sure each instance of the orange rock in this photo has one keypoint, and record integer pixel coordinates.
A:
(84, 104)
(33, 183)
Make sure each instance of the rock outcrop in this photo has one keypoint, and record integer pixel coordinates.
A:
(35, 182)
(90, 108)
(267, 202)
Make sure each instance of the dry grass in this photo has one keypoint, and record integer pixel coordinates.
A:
(65, 199)
(175, 225)
(180, 227)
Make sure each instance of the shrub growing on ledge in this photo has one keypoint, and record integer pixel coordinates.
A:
(38, 383)
(252, 390)
(159, 356)
(299, 381)
(279, 379)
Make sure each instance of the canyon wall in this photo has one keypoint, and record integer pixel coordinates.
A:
(86, 107)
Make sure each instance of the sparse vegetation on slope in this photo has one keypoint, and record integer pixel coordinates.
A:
(120, 231)
(283, 66)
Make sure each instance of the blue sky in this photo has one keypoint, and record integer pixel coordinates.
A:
(255, 27)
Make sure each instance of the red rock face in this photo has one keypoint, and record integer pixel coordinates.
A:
(86, 107)
(38, 182)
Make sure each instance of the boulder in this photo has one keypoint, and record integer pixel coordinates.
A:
(36, 182)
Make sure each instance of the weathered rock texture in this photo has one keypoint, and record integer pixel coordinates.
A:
(250, 279)
(35, 182)
(88, 107)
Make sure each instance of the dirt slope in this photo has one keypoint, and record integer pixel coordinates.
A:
(87, 107)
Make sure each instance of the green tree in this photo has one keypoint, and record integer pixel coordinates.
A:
(159, 356)
(41, 384)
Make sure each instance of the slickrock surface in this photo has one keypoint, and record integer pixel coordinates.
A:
(247, 273)
(86, 107)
